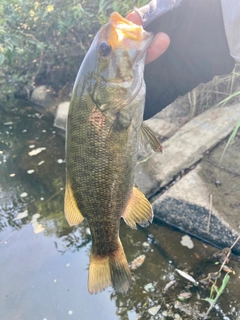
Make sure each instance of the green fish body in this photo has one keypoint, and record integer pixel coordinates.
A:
(103, 131)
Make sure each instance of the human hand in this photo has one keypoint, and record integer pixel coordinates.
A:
(160, 41)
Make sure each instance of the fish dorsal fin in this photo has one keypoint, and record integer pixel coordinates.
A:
(150, 137)
(138, 210)
(72, 213)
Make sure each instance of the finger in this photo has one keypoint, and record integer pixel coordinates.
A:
(158, 46)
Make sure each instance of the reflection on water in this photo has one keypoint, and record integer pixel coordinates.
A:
(44, 262)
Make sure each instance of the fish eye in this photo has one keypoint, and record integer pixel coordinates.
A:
(104, 49)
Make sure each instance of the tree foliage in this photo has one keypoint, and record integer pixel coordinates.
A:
(45, 41)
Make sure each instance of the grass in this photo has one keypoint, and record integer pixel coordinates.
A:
(220, 91)
(215, 293)
(214, 290)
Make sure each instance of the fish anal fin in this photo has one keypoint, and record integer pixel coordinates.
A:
(71, 210)
(112, 269)
(138, 210)
(148, 136)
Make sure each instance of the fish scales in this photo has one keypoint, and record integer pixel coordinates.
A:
(103, 131)
(94, 184)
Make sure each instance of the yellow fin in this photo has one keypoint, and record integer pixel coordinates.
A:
(150, 137)
(138, 210)
(112, 269)
(72, 213)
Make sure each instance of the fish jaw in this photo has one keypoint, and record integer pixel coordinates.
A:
(126, 29)
(124, 35)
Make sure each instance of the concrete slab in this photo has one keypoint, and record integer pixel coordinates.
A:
(186, 147)
(167, 122)
(187, 206)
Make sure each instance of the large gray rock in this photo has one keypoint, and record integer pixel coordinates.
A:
(61, 115)
(44, 96)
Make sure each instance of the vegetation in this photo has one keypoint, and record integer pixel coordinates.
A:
(221, 90)
(45, 41)
(217, 292)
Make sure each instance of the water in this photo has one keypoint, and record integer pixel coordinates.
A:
(44, 262)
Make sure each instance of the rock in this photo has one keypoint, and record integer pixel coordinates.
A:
(45, 97)
(154, 310)
(61, 115)
(165, 313)
(149, 287)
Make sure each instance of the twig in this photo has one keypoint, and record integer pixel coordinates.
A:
(54, 195)
(228, 254)
(235, 242)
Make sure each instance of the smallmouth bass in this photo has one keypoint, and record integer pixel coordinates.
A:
(104, 125)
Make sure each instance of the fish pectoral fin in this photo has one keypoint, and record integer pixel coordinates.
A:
(148, 136)
(138, 210)
(71, 210)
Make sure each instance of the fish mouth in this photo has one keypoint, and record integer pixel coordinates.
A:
(122, 28)
(129, 29)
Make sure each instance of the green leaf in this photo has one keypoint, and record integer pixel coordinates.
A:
(224, 283)
(211, 301)
(2, 30)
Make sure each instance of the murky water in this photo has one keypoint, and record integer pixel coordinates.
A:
(44, 262)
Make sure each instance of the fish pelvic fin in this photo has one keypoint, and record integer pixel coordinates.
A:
(71, 210)
(138, 210)
(148, 136)
(112, 269)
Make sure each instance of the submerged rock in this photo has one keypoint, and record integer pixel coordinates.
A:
(154, 310)
(61, 115)
(45, 97)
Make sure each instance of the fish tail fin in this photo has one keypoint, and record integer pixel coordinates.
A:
(109, 270)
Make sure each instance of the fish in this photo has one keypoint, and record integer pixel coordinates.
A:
(104, 127)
